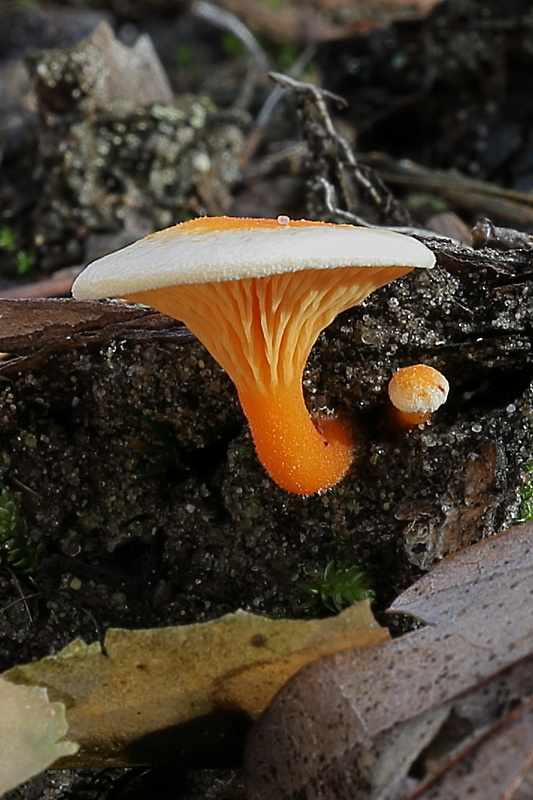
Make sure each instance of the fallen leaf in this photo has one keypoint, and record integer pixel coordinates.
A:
(120, 700)
(26, 325)
(31, 733)
(309, 21)
(119, 76)
(56, 285)
(393, 720)
(499, 768)
(32, 329)
(132, 76)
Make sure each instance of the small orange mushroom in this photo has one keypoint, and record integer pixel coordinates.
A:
(415, 393)
(257, 293)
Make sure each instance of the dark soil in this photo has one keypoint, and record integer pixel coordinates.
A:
(122, 441)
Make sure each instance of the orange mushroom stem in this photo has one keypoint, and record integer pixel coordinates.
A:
(416, 392)
(257, 293)
(260, 330)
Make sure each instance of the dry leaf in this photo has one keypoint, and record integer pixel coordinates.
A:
(33, 329)
(499, 768)
(309, 21)
(26, 325)
(31, 733)
(120, 77)
(149, 681)
(354, 723)
(133, 76)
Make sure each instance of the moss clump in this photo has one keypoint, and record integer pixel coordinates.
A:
(526, 506)
(20, 550)
(340, 586)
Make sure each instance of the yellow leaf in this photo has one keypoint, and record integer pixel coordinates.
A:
(151, 680)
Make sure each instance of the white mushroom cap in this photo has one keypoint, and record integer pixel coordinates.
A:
(418, 389)
(215, 249)
(257, 293)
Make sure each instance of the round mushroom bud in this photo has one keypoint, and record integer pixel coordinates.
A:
(415, 393)
(257, 293)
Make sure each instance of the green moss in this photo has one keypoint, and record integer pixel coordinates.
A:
(286, 56)
(25, 262)
(232, 46)
(185, 56)
(8, 239)
(277, 4)
(9, 243)
(341, 585)
(20, 550)
(526, 506)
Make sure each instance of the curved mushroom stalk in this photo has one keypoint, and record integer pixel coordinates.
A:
(303, 455)
(261, 331)
(257, 292)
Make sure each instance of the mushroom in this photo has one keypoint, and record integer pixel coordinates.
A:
(415, 393)
(257, 293)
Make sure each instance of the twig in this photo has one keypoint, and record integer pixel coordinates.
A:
(331, 153)
(265, 114)
(22, 599)
(486, 234)
(330, 201)
(55, 286)
(301, 86)
(229, 22)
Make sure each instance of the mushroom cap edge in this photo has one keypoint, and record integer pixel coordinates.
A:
(217, 249)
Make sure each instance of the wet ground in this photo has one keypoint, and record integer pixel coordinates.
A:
(140, 501)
